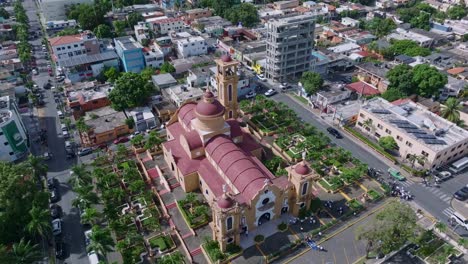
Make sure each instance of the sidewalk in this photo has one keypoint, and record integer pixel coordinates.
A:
(328, 119)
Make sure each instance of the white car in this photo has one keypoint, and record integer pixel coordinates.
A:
(56, 227)
(65, 134)
(261, 77)
(270, 92)
(250, 95)
(34, 71)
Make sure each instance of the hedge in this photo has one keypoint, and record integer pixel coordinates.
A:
(373, 145)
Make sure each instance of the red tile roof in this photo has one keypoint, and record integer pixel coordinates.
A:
(193, 140)
(212, 178)
(363, 53)
(362, 87)
(241, 170)
(187, 113)
(57, 41)
(235, 128)
(456, 71)
(153, 173)
(401, 101)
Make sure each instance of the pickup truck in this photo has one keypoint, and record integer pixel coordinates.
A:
(396, 174)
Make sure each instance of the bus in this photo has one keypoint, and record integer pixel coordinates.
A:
(459, 165)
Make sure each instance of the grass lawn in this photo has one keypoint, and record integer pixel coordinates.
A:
(301, 99)
(354, 204)
(328, 186)
(428, 248)
(161, 242)
(374, 195)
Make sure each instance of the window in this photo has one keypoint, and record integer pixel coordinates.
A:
(424, 153)
(5, 143)
(76, 45)
(230, 240)
(377, 134)
(302, 205)
(230, 92)
(438, 156)
(69, 47)
(399, 138)
(359, 123)
(379, 126)
(201, 183)
(229, 223)
(304, 188)
(409, 144)
(230, 114)
(388, 131)
(265, 201)
(206, 191)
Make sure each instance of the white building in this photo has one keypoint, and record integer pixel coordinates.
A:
(60, 24)
(346, 48)
(402, 34)
(141, 31)
(80, 45)
(153, 57)
(349, 22)
(144, 118)
(13, 136)
(164, 25)
(55, 9)
(191, 46)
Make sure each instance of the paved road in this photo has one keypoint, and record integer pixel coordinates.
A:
(73, 236)
(435, 200)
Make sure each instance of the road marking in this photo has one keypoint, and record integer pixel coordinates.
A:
(362, 187)
(346, 255)
(345, 195)
(448, 211)
(334, 257)
(359, 259)
(320, 220)
(355, 247)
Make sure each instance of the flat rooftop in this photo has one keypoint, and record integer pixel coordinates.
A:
(431, 130)
(105, 119)
(128, 43)
(183, 93)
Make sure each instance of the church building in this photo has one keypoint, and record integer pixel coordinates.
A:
(207, 150)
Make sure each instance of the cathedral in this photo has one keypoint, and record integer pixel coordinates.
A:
(208, 151)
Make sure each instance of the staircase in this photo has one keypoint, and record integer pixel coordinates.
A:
(196, 252)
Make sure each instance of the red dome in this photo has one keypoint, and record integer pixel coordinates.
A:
(225, 202)
(302, 169)
(226, 58)
(209, 106)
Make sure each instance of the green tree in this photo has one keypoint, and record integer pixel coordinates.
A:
(119, 27)
(24, 252)
(39, 225)
(90, 215)
(191, 199)
(172, 258)
(137, 140)
(4, 13)
(393, 94)
(81, 125)
(428, 80)
(457, 12)
(380, 27)
(407, 47)
(312, 82)
(68, 31)
(130, 90)
(390, 229)
(36, 163)
(89, 16)
(245, 13)
(101, 241)
(388, 143)
(154, 141)
(422, 20)
(451, 110)
(103, 31)
(166, 67)
(146, 73)
(134, 18)
(112, 74)
(401, 79)
(79, 176)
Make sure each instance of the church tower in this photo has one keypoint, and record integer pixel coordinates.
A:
(227, 79)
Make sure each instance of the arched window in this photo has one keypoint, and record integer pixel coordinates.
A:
(265, 201)
(229, 223)
(230, 114)
(230, 92)
(304, 188)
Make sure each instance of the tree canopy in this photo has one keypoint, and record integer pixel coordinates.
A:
(244, 13)
(134, 18)
(119, 27)
(130, 90)
(4, 13)
(428, 80)
(112, 74)
(451, 110)
(166, 67)
(401, 79)
(312, 82)
(388, 143)
(408, 47)
(68, 31)
(380, 27)
(390, 229)
(457, 12)
(90, 16)
(103, 31)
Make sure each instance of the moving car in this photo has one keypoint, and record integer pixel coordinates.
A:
(56, 227)
(443, 176)
(461, 194)
(396, 174)
(261, 77)
(457, 218)
(70, 153)
(121, 140)
(34, 71)
(250, 95)
(334, 132)
(56, 211)
(85, 151)
(270, 92)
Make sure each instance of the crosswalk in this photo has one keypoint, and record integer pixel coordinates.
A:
(446, 198)
(448, 211)
(407, 183)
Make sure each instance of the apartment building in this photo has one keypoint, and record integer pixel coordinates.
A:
(141, 31)
(402, 34)
(130, 53)
(290, 42)
(60, 24)
(153, 57)
(197, 13)
(13, 135)
(191, 46)
(56, 9)
(163, 25)
(416, 130)
(74, 46)
(86, 97)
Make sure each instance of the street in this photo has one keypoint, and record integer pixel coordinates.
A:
(59, 165)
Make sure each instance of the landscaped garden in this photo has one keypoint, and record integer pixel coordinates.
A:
(161, 243)
(213, 251)
(194, 211)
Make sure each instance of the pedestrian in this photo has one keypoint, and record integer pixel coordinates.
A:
(246, 233)
(302, 229)
(319, 234)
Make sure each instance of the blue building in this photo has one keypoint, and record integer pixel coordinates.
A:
(130, 53)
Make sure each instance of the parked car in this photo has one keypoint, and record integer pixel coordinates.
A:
(250, 95)
(261, 77)
(270, 92)
(461, 194)
(65, 134)
(334, 132)
(121, 140)
(56, 211)
(54, 195)
(56, 227)
(85, 151)
(47, 156)
(443, 176)
(136, 133)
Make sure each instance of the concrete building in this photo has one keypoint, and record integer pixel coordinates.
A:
(141, 31)
(207, 150)
(191, 46)
(163, 80)
(416, 130)
(193, 14)
(290, 42)
(60, 24)
(13, 135)
(143, 117)
(130, 53)
(87, 97)
(402, 34)
(243, 81)
(74, 46)
(163, 25)
(153, 57)
(56, 9)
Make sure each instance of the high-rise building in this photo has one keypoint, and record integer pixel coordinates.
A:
(290, 42)
(13, 136)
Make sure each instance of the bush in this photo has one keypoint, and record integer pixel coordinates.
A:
(354, 204)
(282, 227)
(232, 249)
(212, 248)
(370, 143)
(374, 195)
(259, 238)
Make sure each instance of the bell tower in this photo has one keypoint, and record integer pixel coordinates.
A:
(227, 79)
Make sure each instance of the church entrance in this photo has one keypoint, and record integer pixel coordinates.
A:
(264, 218)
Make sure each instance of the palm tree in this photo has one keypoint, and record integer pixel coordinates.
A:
(40, 222)
(79, 176)
(90, 215)
(153, 141)
(441, 227)
(451, 110)
(101, 241)
(368, 125)
(24, 252)
(81, 126)
(38, 166)
(412, 158)
(191, 199)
